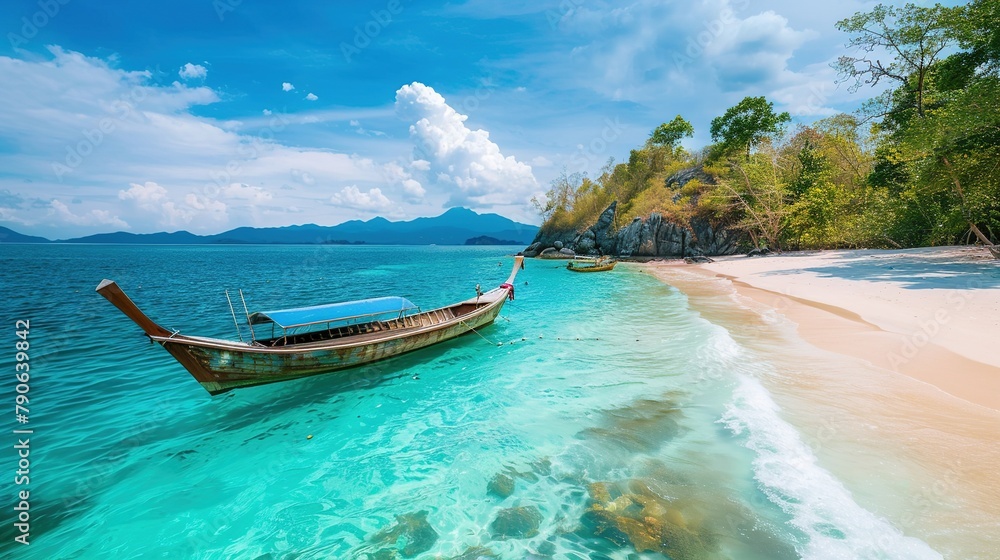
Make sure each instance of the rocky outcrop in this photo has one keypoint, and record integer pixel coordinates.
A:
(553, 253)
(651, 236)
(605, 240)
(656, 237)
(685, 176)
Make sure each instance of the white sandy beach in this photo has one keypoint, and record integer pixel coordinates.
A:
(896, 384)
(930, 313)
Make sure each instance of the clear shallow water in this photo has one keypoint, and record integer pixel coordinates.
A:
(607, 378)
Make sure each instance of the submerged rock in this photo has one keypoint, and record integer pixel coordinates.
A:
(501, 485)
(473, 553)
(630, 514)
(384, 554)
(412, 534)
(644, 426)
(516, 523)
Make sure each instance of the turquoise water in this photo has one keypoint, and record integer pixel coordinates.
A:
(600, 383)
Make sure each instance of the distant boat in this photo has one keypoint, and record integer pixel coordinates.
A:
(319, 339)
(597, 266)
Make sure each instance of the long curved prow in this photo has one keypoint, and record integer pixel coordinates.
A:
(518, 265)
(508, 286)
(111, 292)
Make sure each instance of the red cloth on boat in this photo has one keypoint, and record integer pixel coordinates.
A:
(510, 288)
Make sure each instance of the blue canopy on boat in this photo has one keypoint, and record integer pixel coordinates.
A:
(304, 316)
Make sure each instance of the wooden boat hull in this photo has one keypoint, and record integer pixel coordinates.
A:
(599, 268)
(221, 368)
(223, 365)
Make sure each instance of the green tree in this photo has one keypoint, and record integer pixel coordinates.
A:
(940, 127)
(749, 122)
(913, 35)
(670, 134)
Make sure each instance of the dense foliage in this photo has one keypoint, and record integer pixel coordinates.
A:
(918, 165)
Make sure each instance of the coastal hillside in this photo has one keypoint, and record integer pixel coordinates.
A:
(454, 227)
(916, 166)
(10, 236)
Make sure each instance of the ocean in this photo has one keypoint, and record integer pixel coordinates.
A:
(603, 416)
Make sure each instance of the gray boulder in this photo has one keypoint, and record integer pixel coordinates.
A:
(585, 245)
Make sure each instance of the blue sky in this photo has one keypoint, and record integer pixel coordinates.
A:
(212, 114)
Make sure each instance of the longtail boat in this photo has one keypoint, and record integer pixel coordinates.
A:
(318, 339)
(600, 266)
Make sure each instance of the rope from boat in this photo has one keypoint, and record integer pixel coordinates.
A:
(468, 326)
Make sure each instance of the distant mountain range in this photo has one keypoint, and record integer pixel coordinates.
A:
(455, 227)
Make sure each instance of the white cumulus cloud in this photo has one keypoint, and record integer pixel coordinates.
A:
(396, 175)
(312, 97)
(155, 200)
(148, 195)
(285, 86)
(464, 162)
(215, 209)
(193, 71)
(413, 188)
(94, 217)
(248, 193)
(352, 197)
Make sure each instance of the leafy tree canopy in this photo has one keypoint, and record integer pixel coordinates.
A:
(746, 124)
(670, 134)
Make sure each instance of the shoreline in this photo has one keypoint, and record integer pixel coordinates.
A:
(930, 314)
(821, 330)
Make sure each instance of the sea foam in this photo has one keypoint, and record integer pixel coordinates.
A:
(787, 472)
